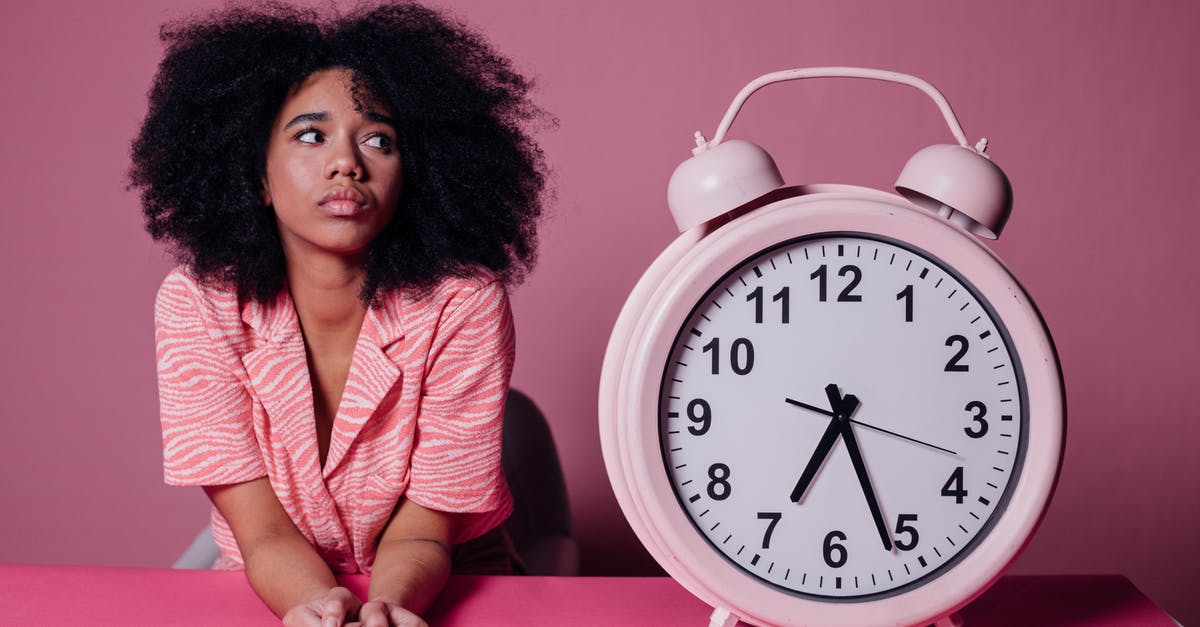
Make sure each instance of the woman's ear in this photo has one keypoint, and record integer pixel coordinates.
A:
(265, 192)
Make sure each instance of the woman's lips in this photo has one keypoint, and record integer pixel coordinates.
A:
(343, 201)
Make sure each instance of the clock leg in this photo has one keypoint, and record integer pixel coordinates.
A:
(722, 617)
(953, 620)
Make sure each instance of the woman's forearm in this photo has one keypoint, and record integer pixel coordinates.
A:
(409, 573)
(285, 571)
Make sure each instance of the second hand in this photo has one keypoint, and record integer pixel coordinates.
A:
(821, 410)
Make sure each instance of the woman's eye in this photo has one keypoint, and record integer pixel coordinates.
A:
(309, 136)
(380, 141)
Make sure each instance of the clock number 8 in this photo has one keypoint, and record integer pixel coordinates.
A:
(719, 488)
(741, 355)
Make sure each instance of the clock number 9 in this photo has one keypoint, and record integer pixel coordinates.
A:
(719, 488)
(741, 355)
(781, 297)
(847, 294)
(981, 411)
(700, 413)
(835, 554)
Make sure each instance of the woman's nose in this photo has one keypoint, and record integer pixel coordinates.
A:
(344, 159)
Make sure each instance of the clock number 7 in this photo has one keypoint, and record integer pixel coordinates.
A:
(774, 518)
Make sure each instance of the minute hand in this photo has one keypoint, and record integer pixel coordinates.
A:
(864, 480)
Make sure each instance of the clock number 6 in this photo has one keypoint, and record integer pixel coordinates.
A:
(741, 355)
(835, 554)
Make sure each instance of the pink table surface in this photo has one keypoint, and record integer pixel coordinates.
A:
(77, 595)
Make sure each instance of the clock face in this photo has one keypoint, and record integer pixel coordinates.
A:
(842, 416)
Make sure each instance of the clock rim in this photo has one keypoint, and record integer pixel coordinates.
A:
(672, 286)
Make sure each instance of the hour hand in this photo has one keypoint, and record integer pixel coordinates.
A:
(814, 463)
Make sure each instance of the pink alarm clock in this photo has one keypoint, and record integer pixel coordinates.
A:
(833, 405)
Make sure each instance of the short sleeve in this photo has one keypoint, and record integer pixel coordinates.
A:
(456, 461)
(207, 425)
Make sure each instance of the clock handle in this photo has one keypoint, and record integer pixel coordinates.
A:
(835, 72)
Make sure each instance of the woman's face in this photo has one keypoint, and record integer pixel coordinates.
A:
(333, 173)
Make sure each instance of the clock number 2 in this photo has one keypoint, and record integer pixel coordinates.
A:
(741, 355)
(847, 294)
(953, 365)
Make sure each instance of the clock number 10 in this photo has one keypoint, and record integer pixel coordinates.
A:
(741, 355)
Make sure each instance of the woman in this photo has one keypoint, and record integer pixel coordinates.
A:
(347, 199)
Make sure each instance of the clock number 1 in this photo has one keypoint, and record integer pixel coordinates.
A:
(906, 295)
(741, 355)
(780, 297)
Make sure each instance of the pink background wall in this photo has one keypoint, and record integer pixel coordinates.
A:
(1090, 107)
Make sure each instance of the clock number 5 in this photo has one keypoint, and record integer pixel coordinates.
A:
(903, 527)
(741, 355)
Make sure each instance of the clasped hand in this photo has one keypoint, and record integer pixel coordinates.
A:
(340, 607)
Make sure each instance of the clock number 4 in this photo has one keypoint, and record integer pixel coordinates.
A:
(954, 486)
(780, 297)
(847, 294)
(741, 355)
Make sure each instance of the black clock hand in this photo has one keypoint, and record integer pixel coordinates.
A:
(864, 480)
(822, 451)
(905, 437)
(869, 426)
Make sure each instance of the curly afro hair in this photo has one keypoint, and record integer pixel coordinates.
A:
(473, 177)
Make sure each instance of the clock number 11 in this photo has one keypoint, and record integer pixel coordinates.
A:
(780, 297)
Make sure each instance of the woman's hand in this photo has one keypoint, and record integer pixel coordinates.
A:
(328, 610)
(380, 613)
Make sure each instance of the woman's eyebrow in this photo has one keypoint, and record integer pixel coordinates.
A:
(307, 117)
(322, 116)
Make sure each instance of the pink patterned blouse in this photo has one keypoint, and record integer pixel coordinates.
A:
(420, 416)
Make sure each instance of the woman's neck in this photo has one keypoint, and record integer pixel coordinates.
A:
(325, 290)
